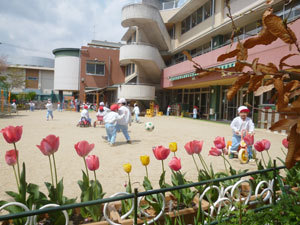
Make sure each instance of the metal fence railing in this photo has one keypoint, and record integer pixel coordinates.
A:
(136, 196)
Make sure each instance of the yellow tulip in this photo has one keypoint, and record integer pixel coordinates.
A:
(145, 160)
(127, 167)
(173, 146)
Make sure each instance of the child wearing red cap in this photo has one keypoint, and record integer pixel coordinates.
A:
(14, 106)
(168, 110)
(85, 113)
(241, 123)
(195, 112)
(110, 120)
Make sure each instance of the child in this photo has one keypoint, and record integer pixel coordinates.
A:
(238, 124)
(100, 114)
(85, 114)
(136, 111)
(195, 112)
(168, 110)
(14, 106)
(110, 120)
(49, 107)
(58, 107)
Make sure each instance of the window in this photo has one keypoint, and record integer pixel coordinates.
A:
(199, 15)
(183, 27)
(194, 19)
(32, 78)
(188, 23)
(95, 68)
(130, 69)
(207, 9)
(206, 47)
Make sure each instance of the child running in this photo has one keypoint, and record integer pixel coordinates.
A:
(136, 111)
(110, 120)
(239, 124)
(49, 107)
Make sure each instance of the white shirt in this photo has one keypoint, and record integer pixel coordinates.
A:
(112, 117)
(85, 114)
(123, 110)
(14, 105)
(238, 124)
(49, 107)
(136, 110)
(168, 109)
(195, 111)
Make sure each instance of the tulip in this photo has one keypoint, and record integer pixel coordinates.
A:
(173, 147)
(175, 164)
(83, 148)
(266, 143)
(260, 147)
(161, 153)
(11, 157)
(145, 160)
(285, 143)
(249, 139)
(49, 145)
(12, 134)
(220, 142)
(215, 152)
(127, 167)
(92, 162)
(193, 147)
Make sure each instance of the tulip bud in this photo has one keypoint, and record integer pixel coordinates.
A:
(92, 162)
(11, 157)
(145, 160)
(173, 146)
(127, 167)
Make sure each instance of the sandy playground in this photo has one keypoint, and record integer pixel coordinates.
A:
(110, 173)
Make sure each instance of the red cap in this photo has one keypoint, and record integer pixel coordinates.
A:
(85, 107)
(114, 107)
(195, 107)
(101, 107)
(14, 100)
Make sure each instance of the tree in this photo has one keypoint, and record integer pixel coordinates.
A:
(15, 78)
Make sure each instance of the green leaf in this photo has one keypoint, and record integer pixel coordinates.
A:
(162, 180)
(23, 185)
(147, 184)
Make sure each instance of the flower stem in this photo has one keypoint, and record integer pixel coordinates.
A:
(51, 170)
(86, 169)
(55, 169)
(96, 185)
(18, 165)
(95, 175)
(163, 169)
(203, 163)
(225, 164)
(16, 178)
(195, 163)
(263, 160)
(269, 156)
(146, 171)
(174, 154)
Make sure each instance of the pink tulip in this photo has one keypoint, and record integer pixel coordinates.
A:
(11, 157)
(215, 152)
(285, 143)
(193, 147)
(92, 162)
(220, 142)
(259, 146)
(49, 145)
(161, 153)
(175, 164)
(12, 134)
(266, 143)
(249, 139)
(83, 148)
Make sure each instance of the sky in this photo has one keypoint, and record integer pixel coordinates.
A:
(36, 27)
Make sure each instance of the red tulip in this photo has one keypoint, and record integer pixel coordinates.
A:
(249, 139)
(215, 152)
(161, 153)
(259, 146)
(83, 148)
(12, 134)
(175, 164)
(285, 143)
(92, 162)
(11, 157)
(49, 145)
(266, 143)
(193, 147)
(220, 142)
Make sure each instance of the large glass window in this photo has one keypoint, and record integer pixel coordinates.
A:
(207, 9)
(199, 15)
(194, 19)
(129, 69)
(95, 68)
(183, 27)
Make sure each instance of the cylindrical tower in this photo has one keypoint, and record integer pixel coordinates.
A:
(66, 69)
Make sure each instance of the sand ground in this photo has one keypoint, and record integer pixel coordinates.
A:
(110, 173)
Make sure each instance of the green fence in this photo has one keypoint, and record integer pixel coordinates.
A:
(137, 194)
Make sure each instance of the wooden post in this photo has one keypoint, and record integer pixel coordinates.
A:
(8, 101)
(2, 100)
(84, 97)
(97, 100)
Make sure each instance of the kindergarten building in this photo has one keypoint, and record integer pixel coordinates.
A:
(159, 31)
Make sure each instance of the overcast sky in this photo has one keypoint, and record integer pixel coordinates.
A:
(43, 25)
